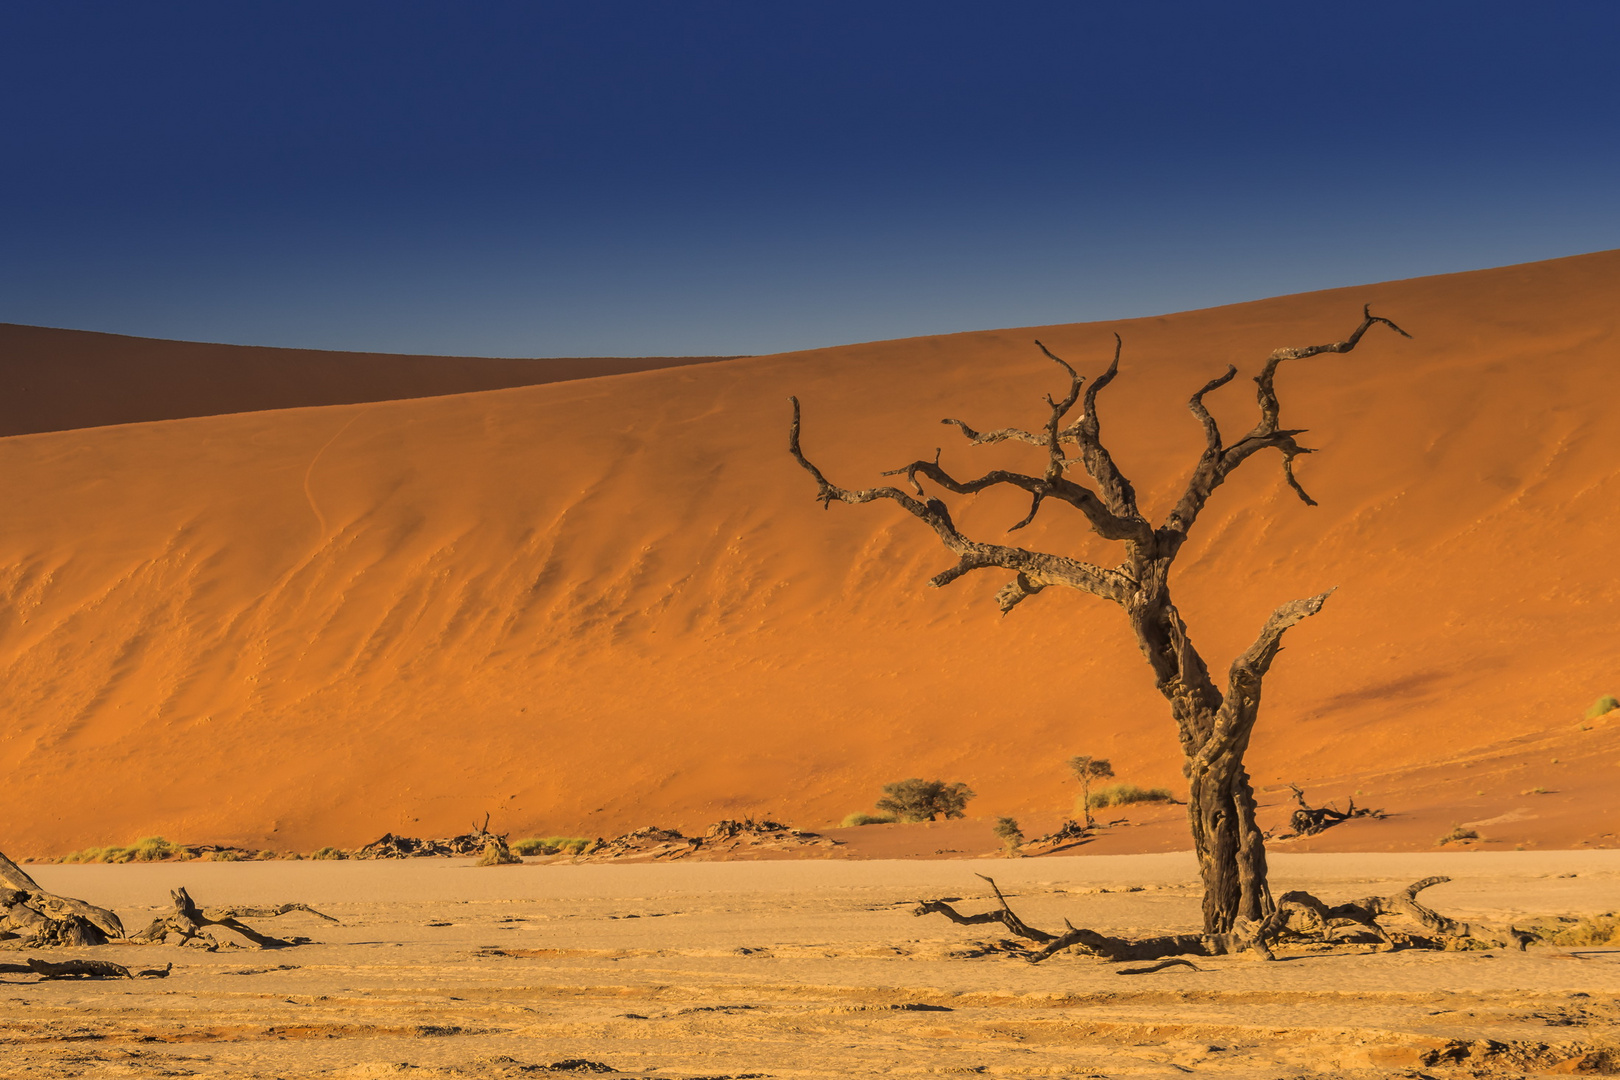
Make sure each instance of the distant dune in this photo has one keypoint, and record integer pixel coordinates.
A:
(597, 604)
(57, 380)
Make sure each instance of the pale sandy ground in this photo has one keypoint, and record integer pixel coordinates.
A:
(810, 969)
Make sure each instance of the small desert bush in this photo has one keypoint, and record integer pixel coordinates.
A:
(147, 849)
(1125, 794)
(916, 799)
(496, 853)
(1010, 835)
(329, 853)
(1605, 704)
(551, 845)
(1592, 930)
(860, 817)
(1458, 832)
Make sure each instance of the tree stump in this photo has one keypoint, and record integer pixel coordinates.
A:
(30, 917)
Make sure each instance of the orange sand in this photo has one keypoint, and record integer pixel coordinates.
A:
(592, 605)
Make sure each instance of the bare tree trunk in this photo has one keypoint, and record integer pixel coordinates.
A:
(1230, 847)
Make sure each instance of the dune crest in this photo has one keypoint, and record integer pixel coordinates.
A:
(595, 605)
(58, 380)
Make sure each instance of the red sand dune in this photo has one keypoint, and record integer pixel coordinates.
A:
(57, 380)
(593, 605)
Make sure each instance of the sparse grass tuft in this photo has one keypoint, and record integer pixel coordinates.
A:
(1591, 930)
(1456, 834)
(551, 845)
(329, 853)
(147, 849)
(860, 817)
(1605, 704)
(1125, 794)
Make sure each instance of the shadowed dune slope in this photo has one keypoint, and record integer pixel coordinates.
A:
(594, 605)
(57, 380)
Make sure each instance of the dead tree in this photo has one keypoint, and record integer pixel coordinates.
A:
(1214, 723)
(31, 917)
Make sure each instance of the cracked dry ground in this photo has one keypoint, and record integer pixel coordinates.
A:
(806, 970)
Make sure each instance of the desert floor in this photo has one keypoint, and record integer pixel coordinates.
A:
(809, 969)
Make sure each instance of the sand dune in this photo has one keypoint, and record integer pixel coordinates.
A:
(593, 605)
(57, 380)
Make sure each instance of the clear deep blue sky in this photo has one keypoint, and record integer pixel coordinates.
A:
(689, 177)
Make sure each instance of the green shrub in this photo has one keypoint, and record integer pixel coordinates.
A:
(329, 853)
(551, 845)
(1125, 794)
(916, 799)
(1458, 832)
(1606, 704)
(1010, 835)
(860, 817)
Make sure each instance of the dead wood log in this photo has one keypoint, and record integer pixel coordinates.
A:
(30, 917)
(1309, 820)
(188, 924)
(84, 969)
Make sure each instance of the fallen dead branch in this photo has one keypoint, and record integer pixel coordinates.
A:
(187, 924)
(390, 846)
(30, 917)
(84, 969)
(1160, 966)
(1309, 820)
(1299, 918)
(726, 837)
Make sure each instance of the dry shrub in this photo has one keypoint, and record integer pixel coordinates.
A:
(551, 845)
(147, 849)
(1605, 704)
(1458, 833)
(862, 818)
(1591, 930)
(1125, 794)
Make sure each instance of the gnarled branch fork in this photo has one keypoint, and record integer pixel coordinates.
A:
(1214, 723)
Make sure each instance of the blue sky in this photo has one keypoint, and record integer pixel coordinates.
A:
(633, 178)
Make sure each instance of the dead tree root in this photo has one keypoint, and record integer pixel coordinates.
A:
(1299, 918)
(30, 917)
(187, 924)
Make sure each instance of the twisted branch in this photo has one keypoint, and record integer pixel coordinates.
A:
(1218, 462)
